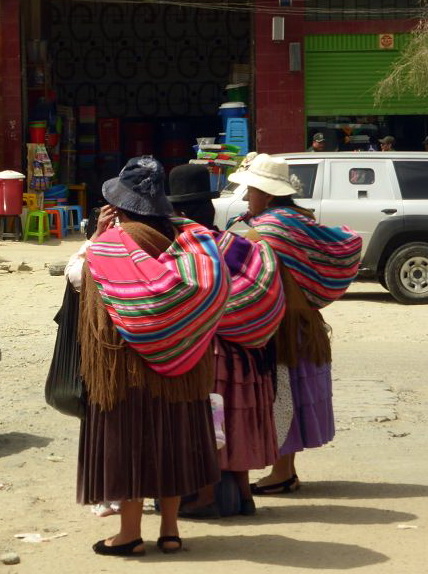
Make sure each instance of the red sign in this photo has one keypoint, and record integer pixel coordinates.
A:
(386, 41)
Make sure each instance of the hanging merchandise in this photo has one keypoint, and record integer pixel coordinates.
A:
(41, 169)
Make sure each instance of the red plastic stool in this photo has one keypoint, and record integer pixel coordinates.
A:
(55, 222)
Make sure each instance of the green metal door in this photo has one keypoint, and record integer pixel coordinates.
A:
(341, 72)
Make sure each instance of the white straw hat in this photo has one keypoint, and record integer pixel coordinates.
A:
(267, 173)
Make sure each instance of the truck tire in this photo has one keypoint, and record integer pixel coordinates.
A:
(406, 274)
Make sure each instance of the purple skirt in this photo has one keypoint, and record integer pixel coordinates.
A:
(248, 411)
(146, 447)
(313, 420)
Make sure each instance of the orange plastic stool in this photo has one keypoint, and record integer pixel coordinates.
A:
(55, 222)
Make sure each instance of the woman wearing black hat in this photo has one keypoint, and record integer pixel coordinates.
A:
(243, 377)
(148, 430)
(190, 193)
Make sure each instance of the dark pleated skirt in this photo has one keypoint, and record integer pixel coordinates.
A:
(250, 430)
(312, 424)
(146, 447)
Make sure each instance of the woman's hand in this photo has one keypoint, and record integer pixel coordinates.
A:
(105, 220)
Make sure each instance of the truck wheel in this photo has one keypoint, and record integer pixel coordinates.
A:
(406, 274)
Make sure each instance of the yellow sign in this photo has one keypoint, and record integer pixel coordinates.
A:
(386, 41)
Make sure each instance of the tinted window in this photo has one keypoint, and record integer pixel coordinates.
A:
(304, 178)
(361, 176)
(413, 178)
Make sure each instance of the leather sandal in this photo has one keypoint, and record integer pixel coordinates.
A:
(163, 539)
(100, 547)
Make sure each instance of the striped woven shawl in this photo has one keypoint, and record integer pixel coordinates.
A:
(323, 260)
(166, 308)
(256, 303)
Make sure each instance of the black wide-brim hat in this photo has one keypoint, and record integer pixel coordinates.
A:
(190, 182)
(140, 188)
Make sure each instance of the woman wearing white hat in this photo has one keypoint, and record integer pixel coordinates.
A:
(317, 265)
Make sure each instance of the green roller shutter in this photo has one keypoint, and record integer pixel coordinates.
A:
(342, 71)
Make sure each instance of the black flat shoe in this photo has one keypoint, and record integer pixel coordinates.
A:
(286, 487)
(161, 544)
(120, 549)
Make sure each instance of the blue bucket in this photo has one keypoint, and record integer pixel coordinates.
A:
(231, 110)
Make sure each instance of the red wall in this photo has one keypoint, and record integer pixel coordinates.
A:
(10, 85)
(279, 93)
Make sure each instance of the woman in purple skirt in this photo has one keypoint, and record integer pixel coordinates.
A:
(317, 265)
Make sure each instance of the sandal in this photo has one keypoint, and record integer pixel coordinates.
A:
(161, 544)
(286, 487)
(100, 547)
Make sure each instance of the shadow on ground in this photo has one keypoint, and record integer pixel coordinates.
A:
(369, 297)
(14, 442)
(272, 550)
(351, 489)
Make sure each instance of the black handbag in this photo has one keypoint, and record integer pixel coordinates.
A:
(64, 388)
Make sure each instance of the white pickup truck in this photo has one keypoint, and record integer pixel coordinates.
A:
(383, 196)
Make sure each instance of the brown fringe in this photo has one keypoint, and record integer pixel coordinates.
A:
(110, 366)
(303, 331)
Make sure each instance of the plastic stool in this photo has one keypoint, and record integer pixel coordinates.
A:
(17, 227)
(37, 225)
(81, 192)
(55, 221)
(237, 134)
(64, 217)
(74, 217)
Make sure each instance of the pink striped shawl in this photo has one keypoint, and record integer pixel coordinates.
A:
(256, 303)
(167, 309)
(323, 260)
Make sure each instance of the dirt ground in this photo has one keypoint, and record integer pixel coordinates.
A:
(363, 505)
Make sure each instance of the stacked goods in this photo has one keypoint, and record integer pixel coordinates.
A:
(56, 195)
(87, 136)
(68, 144)
(219, 158)
(222, 153)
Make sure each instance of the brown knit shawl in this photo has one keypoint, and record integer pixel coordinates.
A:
(302, 331)
(109, 365)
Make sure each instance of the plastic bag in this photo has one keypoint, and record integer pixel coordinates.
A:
(64, 388)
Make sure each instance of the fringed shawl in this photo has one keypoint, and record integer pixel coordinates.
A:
(256, 303)
(302, 331)
(110, 366)
(323, 260)
(167, 307)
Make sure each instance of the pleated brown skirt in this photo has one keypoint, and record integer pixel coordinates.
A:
(146, 447)
(248, 395)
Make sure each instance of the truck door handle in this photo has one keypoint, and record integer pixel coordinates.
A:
(389, 211)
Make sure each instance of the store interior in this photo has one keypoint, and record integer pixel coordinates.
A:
(362, 133)
(106, 81)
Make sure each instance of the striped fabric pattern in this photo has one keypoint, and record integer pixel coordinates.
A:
(323, 260)
(256, 303)
(167, 309)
